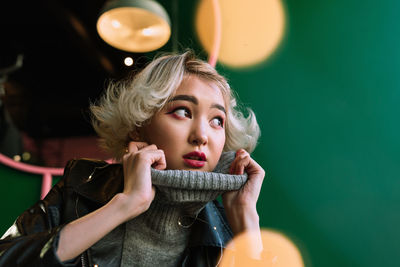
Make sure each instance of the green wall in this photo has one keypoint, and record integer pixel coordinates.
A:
(18, 191)
(328, 105)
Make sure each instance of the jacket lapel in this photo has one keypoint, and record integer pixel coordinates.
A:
(211, 227)
(104, 182)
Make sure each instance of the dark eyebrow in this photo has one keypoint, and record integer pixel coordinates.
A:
(218, 106)
(186, 98)
(195, 101)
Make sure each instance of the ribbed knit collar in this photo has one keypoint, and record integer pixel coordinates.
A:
(183, 186)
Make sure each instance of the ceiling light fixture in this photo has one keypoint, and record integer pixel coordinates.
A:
(134, 25)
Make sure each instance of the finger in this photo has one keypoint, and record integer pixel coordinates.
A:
(149, 148)
(243, 163)
(232, 169)
(134, 147)
(256, 175)
(239, 164)
(254, 168)
(160, 163)
(156, 158)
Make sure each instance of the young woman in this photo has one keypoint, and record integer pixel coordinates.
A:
(171, 127)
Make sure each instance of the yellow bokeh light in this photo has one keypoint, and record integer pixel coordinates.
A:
(26, 156)
(278, 251)
(251, 30)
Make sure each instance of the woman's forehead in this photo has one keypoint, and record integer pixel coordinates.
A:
(200, 88)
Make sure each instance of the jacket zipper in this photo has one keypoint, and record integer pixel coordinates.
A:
(83, 260)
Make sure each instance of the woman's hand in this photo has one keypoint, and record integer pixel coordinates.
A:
(138, 191)
(240, 205)
(135, 199)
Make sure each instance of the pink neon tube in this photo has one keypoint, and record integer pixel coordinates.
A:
(212, 60)
(47, 173)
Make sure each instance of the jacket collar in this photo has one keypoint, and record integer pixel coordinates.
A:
(106, 180)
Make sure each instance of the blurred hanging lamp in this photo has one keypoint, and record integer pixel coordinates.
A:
(134, 25)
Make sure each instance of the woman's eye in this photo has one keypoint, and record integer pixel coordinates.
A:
(217, 122)
(181, 112)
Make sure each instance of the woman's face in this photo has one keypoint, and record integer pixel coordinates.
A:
(190, 128)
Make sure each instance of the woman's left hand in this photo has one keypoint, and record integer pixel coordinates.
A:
(240, 205)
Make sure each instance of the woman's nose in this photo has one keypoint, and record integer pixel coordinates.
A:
(198, 135)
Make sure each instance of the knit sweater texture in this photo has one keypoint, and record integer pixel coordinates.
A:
(159, 236)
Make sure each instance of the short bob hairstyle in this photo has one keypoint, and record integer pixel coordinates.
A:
(130, 103)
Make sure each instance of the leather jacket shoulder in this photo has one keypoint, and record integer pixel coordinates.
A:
(85, 186)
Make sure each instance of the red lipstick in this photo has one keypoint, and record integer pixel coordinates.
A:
(195, 159)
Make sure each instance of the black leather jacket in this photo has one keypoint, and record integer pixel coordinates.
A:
(86, 186)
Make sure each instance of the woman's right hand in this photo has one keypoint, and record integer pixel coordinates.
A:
(138, 190)
(135, 199)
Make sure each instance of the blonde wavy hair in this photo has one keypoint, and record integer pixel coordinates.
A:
(130, 103)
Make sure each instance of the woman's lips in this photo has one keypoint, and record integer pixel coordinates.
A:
(194, 163)
(195, 159)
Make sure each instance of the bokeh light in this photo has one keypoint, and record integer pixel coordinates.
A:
(251, 30)
(128, 61)
(278, 251)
